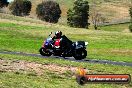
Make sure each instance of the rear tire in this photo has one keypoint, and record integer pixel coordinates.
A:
(80, 54)
(43, 52)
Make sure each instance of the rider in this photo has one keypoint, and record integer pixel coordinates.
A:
(65, 43)
(58, 35)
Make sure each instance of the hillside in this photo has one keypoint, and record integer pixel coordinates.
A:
(111, 10)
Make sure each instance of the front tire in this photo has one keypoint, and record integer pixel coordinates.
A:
(80, 54)
(43, 52)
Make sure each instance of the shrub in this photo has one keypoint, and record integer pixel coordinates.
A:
(130, 27)
(48, 11)
(21, 7)
(27, 5)
(130, 12)
(3, 3)
(79, 15)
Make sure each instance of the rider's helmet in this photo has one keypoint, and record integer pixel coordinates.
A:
(58, 34)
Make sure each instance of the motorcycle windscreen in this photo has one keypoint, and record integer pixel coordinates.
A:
(48, 43)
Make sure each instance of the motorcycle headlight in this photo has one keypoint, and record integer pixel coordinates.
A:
(86, 43)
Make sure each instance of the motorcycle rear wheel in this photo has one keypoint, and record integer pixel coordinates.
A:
(80, 54)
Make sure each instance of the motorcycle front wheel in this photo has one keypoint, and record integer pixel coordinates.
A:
(43, 52)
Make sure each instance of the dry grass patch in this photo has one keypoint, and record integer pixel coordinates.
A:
(39, 69)
(119, 12)
(124, 52)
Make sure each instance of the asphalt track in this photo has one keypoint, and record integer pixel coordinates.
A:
(70, 58)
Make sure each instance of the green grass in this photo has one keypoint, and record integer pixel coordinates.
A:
(115, 46)
(25, 81)
(117, 27)
(50, 79)
(12, 80)
(20, 27)
(108, 46)
(18, 18)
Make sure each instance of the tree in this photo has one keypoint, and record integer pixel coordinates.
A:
(130, 12)
(49, 11)
(96, 17)
(27, 5)
(130, 27)
(21, 7)
(79, 15)
(3, 3)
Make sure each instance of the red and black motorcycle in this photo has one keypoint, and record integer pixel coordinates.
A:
(64, 47)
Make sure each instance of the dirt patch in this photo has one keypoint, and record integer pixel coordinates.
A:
(39, 69)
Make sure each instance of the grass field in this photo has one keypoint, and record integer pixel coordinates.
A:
(26, 35)
(52, 79)
(116, 27)
(103, 45)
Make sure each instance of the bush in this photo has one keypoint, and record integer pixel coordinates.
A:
(27, 5)
(130, 12)
(3, 3)
(48, 11)
(130, 27)
(21, 7)
(79, 15)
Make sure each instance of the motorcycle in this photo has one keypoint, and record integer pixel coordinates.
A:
(64, 47)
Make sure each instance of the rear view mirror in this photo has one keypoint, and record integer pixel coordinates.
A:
(50, 34)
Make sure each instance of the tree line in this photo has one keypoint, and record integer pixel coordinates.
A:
(50, 11)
